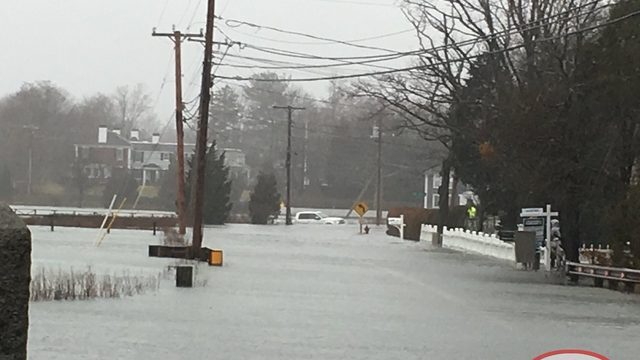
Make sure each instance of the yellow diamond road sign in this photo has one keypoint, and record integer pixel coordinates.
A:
(361, 208)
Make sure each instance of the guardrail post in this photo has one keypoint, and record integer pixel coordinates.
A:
(629, 287)
(598, 282)
(51, 221)
(154, 227)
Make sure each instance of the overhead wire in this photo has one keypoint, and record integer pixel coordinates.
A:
(233, 23)
(510, 31)
(356, 2)
(193, 16)
(420, 67)
(377, 37)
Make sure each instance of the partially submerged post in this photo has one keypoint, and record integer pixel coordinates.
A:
(15, 277)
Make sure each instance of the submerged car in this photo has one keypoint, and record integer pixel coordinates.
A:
(317, 217)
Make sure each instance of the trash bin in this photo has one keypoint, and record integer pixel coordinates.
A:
(526, 251)
(184, 276)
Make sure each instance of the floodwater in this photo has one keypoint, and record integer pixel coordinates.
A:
(322, 292)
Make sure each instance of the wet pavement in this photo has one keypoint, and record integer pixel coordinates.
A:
(324, 292)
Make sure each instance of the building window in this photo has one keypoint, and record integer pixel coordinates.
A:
(436, 201)
(437, 181)
(84, 152)
(119, 154)
(165, 156)
(138, 156)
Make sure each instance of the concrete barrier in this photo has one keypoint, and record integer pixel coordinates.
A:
(474, 242)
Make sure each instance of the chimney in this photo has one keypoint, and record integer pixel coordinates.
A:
(135, 135)
(102, 134)
(117, 131)
(155, 138)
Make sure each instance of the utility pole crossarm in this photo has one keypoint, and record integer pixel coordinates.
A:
(292, 108)
(172, 35)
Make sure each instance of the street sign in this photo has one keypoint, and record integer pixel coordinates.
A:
(533, 212)
(545, 216)
(535, 225)
(361, 208)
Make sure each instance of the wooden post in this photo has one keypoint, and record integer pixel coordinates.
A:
(184, 276)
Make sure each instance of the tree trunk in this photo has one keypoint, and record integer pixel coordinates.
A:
(454, 190)
(443, 191)
(480, 217)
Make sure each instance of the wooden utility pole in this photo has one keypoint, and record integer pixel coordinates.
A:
(290, 109)
(197, 199)
(177, 38)
(379, 176)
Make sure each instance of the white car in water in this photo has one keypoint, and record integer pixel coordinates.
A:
(316, 217)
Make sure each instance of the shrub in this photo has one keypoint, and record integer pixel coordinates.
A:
(265, 199)
(85, 285)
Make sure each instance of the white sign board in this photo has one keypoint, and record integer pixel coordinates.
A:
(531, 212)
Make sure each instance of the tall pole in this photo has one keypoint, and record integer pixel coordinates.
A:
(30, 165)
(290, 110)
(179, 135)
(305, 163)
(379, 179)
(203, 123)
(177, 37)
(31, 130)
(289, 125)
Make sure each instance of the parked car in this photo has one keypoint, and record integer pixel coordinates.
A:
(316, 217)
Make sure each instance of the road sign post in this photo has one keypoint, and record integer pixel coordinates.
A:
(361, 208)
(547, 214)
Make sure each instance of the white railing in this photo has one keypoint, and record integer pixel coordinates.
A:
(474, 242)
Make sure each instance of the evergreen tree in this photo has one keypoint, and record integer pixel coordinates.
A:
(217, 187)
(6, 185)
(265, 199)
(120, 183)
(226, 113)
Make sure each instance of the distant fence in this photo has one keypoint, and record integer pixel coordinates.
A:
(22, 210)
(596, 255)
(93, 218)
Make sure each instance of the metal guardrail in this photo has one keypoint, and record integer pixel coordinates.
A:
(630, 277)
(28, 211)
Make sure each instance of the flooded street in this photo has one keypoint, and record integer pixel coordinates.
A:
(322, 292)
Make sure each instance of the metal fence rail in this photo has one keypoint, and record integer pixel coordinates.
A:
(614, 275)
(45, 211)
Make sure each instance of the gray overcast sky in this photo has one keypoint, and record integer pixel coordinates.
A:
(89, 46)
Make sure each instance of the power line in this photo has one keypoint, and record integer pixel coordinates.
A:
(382, 36)
(164, 8)
(300, 96)
(510, 31)
(323, 71)
(193, 16)
(355, 2)
(232, 23)
(294, 54)
(420, 67)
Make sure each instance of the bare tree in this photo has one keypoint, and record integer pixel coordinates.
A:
(520, 40)
(134, 106)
